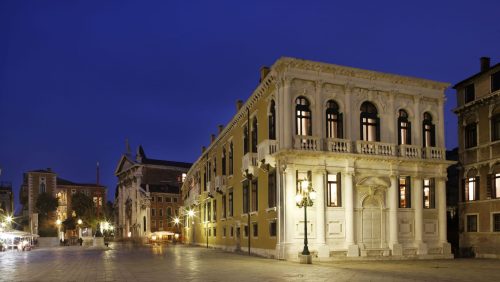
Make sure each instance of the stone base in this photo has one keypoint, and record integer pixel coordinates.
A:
(353, 251)
(99, 242)
(305, 259)
(446, 248)
(323, 251)
(422, 249)
(397, 250)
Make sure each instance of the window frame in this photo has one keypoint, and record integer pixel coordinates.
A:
(254, 135)
(470, 135)
(404, 124)
(495, 222)
(429, 131)
(369, 121)
(303, 117)
(469, 93)
(494, 87)
(334, 120)
(467, 222)
(338, 187)
(272, 121)
(407, 192)
(432, 193)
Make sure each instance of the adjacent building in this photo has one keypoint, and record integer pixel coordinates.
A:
(148, 196)
(478, 111)
(46, 181)
(370, 144)
(6, 199)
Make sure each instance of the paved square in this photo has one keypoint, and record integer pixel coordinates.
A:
(124, 262)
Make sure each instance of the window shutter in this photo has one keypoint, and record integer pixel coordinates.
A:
(340, 126)
(463, 190)
(432, 193)
(489, 187)
(399, 132)
(339, 189)
(409, 133)
(493, 186)
(477, 188)
(378, 129)
(433, 136)
(408, 192)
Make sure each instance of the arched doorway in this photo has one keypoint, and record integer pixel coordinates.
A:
(371, 223)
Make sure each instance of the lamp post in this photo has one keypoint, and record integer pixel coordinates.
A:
(176, 223)
(304, 198)
(79, 221)
(58, 223)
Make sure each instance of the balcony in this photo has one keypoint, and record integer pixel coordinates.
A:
(249, 162)
(306, 143)
(410, 151)
(338, 145)
(375, 148)
(220, 183)
(266, 150)
(434, 153)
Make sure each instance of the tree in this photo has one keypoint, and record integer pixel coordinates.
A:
(83, 206)
(46, 203)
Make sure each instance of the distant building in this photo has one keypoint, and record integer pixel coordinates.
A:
(6, 198)
(478, 111)
(39, 181)
(147, 195)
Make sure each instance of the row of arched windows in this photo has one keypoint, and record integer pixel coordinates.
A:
(369, 123)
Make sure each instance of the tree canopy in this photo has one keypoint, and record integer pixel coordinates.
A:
(83, 206)
(46, 203)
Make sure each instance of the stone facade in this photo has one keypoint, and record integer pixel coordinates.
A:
(142, 182)
(6, 199)
(371, 144)
(478, 100)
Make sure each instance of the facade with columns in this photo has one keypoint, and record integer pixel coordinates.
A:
(371, 144)
(143, 182)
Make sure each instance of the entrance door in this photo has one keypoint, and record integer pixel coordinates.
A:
(372, 221)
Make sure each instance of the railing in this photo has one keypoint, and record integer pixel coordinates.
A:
(266, 148)
(338, 145)
(410, 151)
(434, 153)
(307, 143)
(220, 180)
(375, 148)
(249, 161)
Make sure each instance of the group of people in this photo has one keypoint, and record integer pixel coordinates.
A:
(65, 242)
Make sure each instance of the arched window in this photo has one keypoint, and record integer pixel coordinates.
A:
(224, 161)
(471, 186)
(404, 128)
(495, 124)
(231, 158)
(429, 136)
(245, 139)
(144, 223)
(370, 123)
(303, 125)
(334, 122)
(254, 135)
(272, 121)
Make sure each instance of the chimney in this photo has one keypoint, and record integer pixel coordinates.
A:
(239, 104)
(203, 148)
(212, 138)
(485, 63)
(264, 71)
(221, 127)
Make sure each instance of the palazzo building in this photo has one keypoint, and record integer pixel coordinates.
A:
(478, 101)
(147, 195)
(6, 199)
(371, 144)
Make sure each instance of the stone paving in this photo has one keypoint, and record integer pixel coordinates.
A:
(122, 262)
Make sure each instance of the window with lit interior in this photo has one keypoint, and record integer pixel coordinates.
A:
(429, 136)
(303, 124)
(429, 194)
(404, 128)
(334, 196)
(334, 121)
(404, 192)
(471, 188)
(370, 123)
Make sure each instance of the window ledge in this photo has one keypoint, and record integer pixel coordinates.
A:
(271, 209)
(223, 219)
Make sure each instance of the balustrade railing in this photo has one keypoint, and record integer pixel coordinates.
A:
(338, 145)
(307, 143)
(410, 151)
(266, 148)
(375, 148)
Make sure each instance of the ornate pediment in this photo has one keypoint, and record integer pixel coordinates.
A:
(124, 164)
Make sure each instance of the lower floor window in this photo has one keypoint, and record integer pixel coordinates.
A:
(496, 222)
(255, 229)
(245, 231)
(272, 229)
(472, 223)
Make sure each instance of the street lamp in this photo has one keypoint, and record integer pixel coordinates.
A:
(58, 223)
(304, 198)
(79, 221)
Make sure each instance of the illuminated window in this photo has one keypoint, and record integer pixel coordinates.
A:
(429, 194)
(496, 186)
(429, 131)
(404, 192)
(404, 128)
(472, 223)
(370, 127)
(334, 197)
(254, 135)
(183, 177)
(272, 121)
(303, 124)
(471, 189)
(334, 127)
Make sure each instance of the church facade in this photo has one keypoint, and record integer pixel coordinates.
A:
(370, 144)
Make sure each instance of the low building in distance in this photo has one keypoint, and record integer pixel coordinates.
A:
(148, 196)
(478, 111)
(370, 145)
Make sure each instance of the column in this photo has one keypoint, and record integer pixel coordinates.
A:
(348, 121)
(319, 186)
(441, 198)
(280, 212)
(352, 249)
(419, 216)
(396, 248)
(318, 111)
(417, 122)
(290, 210)
(287, 114)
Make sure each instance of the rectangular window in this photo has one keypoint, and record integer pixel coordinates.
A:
(175, 200)
(496, 222)
(224, 231)
(160, 224)
(153, 212)
(429, 194)
(168, 199)
(153, 199)
(495, 81)
(469, 93)
(271, 192)
(209, 211)
(215, 231)
(404, 192)
(255, 229)
(300, 176)
(223, 206)
(333, 191)
(255, 195)
(495, 127)
(470, 135)
(496, 186)
(160, 199)
(209, 230)
(471, 189)
(272, 229)
(215, 210)
(246, 196)
(230, 211)
(232, 231)
(161, 212)
(245, 231)
(472, 223)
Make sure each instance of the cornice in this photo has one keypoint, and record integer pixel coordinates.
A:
(472, 106)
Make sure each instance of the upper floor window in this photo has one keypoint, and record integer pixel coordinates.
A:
(254, 135)
(272, 121)
(245, 139)
(471, 188)
(271, 189)
(246, 197)
(231, 163)
(429, 194)
(429, 136)
(469, 93)
(303, 125)
(470, 135)
(404, 192)
(496, 186)
(334, 127)
(472, 223)
(495, 81)
(224, 160)
(43, 188)
(215, 166)
(495, 127)
(370, 123)
(334, 196)
(404, 128)
(255, 195)
(496, 222)
(223, 206)
(230, 202)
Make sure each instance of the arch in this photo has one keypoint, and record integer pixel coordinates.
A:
(428, 130)
(369, 122)
(303, 116)
(404, 128)
(334, 120)
(272, 120)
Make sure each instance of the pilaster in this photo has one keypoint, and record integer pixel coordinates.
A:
(319, 186)
(418, 208)
(352, 248)
(397, 249)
